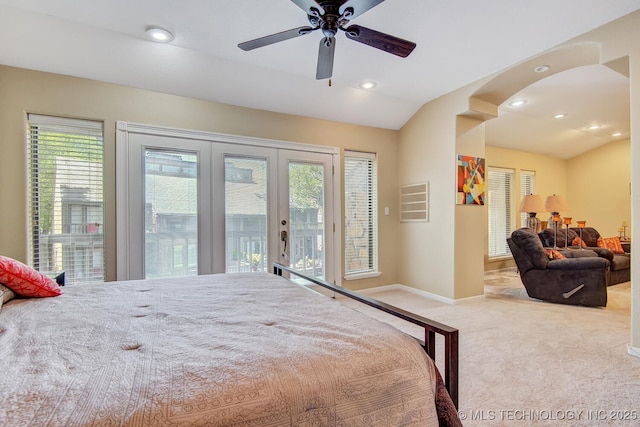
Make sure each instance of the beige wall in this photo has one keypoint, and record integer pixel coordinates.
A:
(469, 277)
(427, 153)
(598, 187)
(24, 91)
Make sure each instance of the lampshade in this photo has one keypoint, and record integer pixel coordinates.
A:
(555, 204)
(531, 203)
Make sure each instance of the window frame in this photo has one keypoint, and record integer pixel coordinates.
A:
(66, 245)
(527, 186)
(504, 212)
(351, 159)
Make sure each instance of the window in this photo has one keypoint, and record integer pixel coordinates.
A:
(527, 186)
(361, 206)
(499, 200)
(66, 205)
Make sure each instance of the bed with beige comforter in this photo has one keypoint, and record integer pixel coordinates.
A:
(221, 350)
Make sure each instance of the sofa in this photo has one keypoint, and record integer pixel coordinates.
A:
(580, 279)
(620, 263)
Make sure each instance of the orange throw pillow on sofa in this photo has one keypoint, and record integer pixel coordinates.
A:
(554, 254)
(611, 243)
(577, 241)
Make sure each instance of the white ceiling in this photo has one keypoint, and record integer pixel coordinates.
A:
(588, 95)
(458, 42)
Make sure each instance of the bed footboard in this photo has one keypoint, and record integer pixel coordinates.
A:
(431, 327)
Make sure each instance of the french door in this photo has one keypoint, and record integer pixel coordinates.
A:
(305, 212)
(198, 205)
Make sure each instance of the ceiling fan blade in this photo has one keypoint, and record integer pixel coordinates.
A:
(306, 5)
(359, 7)
(275, 38)
(325, 58)
(382, 41)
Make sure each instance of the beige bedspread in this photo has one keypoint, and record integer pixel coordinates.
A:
(223, 350)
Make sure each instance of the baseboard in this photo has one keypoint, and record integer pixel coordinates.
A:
(634, 351)
(421, 293)
(469, 299)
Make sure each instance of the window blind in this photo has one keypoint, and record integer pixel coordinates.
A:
(500, 210)
(361, 206)
(66, 203)
(527, 186)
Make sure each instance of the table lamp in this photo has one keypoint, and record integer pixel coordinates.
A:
(532, 204)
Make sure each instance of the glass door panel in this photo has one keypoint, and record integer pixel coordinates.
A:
(306, 212)
(170, 213)
(306, 217)
(246, 207)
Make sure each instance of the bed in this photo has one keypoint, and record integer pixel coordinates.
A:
(246, 349)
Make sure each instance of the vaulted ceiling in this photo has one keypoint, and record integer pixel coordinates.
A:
(458, 42)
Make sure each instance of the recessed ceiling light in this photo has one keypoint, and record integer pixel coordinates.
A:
(368, 84)
(159, 34)
(542, 69)
(517, 103)
(594, 127)
(560, 116)
(617, 134)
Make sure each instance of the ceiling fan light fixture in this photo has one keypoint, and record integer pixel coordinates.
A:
(368, 84)
(517, 103)
(330, 17)
(159, 34)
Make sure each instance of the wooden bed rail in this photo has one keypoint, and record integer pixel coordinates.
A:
(431, 327)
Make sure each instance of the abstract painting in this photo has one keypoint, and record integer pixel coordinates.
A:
(471, 182)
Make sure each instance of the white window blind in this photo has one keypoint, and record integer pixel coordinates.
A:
(527, 186)
(361, 206)
(66, 204)
(500, 210)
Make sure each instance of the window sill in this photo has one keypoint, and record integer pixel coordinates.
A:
(367, 275)
(499, 257)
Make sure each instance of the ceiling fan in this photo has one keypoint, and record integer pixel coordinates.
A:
(331, 16)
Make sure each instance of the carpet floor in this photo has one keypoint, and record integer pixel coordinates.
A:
(527, 362)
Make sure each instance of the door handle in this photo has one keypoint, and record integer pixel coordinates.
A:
(283, 237)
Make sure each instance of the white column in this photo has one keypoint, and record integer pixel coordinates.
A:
(634, 88)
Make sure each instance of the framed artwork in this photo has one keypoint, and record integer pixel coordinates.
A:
(471, 180)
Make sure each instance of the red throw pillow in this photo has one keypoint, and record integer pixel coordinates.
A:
(577, 241)
(611, 243)
(554, 254)
(25, 281)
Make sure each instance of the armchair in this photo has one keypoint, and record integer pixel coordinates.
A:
(575, 281)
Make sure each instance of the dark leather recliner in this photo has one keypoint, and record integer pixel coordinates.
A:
(575, 281)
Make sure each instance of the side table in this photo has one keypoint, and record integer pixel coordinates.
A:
(626, 245)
